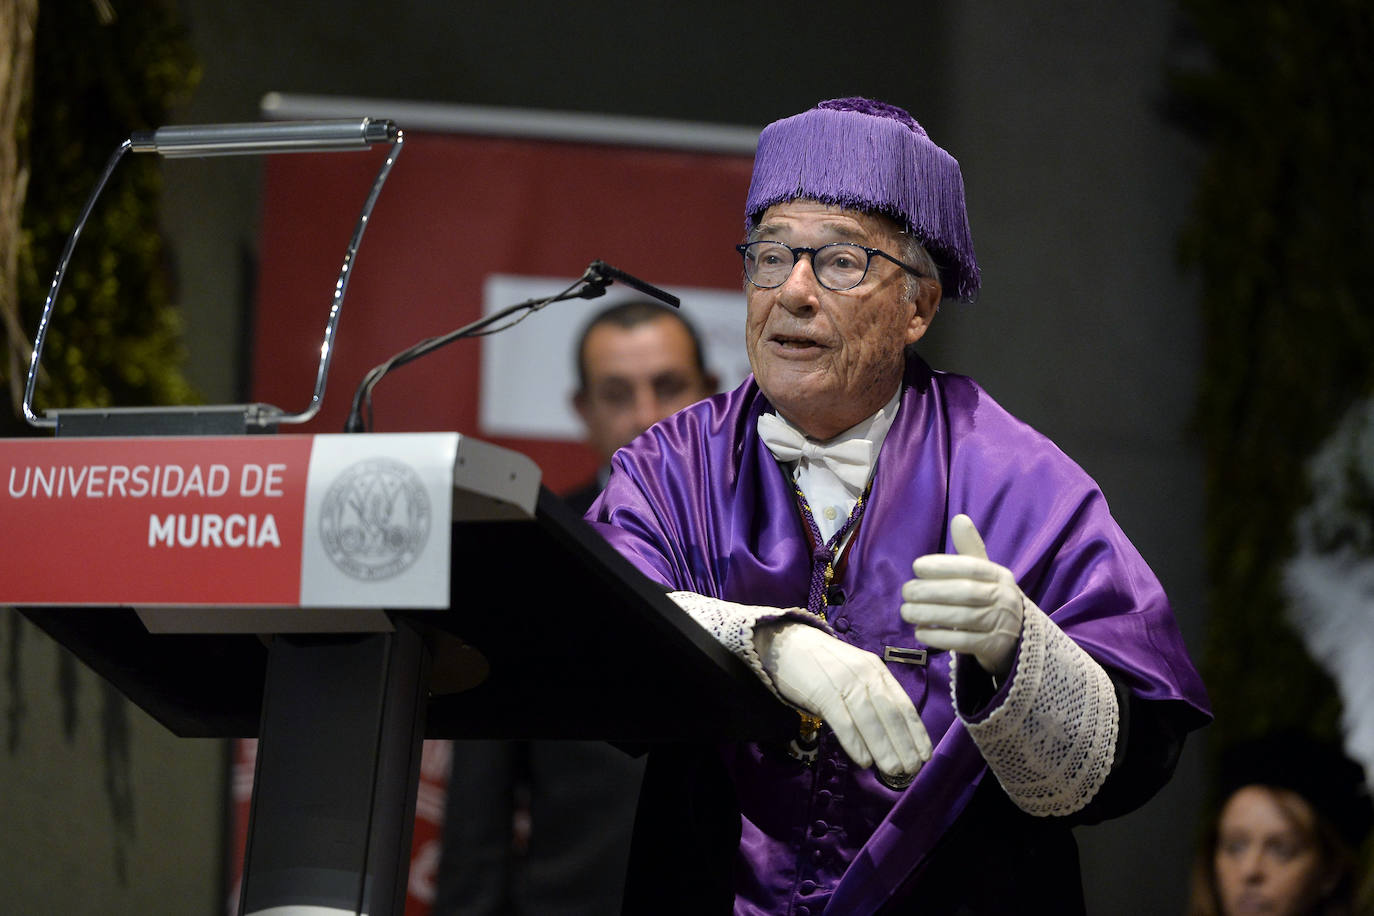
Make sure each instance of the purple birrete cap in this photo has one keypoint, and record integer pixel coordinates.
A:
(866, 155)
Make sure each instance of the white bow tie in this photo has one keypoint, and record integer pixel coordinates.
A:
(850, 460)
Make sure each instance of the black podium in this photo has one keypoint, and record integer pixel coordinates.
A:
(544, 632)
(549, 633)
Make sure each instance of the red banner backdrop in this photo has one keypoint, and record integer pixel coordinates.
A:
(454, 210)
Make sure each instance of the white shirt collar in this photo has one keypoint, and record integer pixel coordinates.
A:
(874, 428)
(830, 498)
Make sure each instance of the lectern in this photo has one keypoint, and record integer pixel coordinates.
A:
(341, 598)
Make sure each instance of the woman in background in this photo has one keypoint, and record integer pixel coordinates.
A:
(1294, 815)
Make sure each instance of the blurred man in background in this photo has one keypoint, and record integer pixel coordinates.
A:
(637, 363)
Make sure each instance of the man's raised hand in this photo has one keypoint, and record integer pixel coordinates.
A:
(964, 602)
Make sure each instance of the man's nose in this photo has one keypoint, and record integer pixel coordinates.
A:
(799, 291)
(647, 410)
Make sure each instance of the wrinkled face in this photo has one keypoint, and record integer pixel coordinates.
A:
(636, 377)
(1267, 859)
(828, 359)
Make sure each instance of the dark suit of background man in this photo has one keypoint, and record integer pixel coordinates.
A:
(543, 827)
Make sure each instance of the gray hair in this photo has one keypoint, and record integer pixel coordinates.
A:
(914, 253)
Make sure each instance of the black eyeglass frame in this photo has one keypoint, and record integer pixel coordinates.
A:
(743, 250)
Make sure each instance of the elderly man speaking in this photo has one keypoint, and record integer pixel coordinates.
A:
(978, 656)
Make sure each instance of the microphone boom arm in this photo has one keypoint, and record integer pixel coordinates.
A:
(590, 285)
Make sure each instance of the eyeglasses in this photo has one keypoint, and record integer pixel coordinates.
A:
(838, 266)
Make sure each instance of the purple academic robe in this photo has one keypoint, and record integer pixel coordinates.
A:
(698, 503)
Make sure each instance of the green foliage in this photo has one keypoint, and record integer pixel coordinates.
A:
(114, 337)
(1282, 238)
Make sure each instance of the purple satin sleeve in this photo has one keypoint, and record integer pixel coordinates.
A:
(1043, 518)
(698, 503)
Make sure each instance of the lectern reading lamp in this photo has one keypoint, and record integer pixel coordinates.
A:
(219, 140)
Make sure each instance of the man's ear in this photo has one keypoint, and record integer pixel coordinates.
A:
(579, 403)
(927, 302)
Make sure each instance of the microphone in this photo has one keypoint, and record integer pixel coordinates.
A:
(600, 271)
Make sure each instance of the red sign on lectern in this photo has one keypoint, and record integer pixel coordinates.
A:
(307, 521)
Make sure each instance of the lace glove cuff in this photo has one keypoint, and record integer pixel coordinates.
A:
(1051, 740)
(733, 626)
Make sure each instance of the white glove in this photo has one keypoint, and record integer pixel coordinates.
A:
(966, 603)
(851, 690)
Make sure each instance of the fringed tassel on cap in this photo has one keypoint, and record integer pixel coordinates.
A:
(866, 155)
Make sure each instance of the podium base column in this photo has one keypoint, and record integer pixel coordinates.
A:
(337, 771)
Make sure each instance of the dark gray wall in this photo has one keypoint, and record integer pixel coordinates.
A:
(1085, 327)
